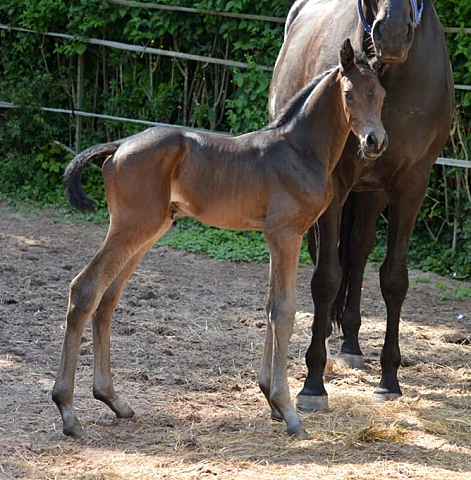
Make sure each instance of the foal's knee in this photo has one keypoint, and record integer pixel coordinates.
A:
(281, 310)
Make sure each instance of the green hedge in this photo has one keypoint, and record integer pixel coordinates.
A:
(443, 230)
(41, 71)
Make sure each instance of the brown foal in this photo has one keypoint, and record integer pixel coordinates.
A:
(276, 180)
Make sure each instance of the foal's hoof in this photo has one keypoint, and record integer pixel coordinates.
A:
(127, 412)
(121, 409)
(312, 403)
(74, 430)
(299, 432)
(352, 361)
(381, 395)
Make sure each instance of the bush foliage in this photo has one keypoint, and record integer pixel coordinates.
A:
(42, 71)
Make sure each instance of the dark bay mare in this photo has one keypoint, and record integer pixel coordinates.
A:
(276, 180)
(408, 40)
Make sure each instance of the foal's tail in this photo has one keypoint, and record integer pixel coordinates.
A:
(73, 174)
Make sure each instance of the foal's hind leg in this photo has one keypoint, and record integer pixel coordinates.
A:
(86, 293)
(103, 388)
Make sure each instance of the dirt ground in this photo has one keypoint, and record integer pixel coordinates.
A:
(186, 347)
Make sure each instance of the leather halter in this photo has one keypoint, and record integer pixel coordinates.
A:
(416, 15)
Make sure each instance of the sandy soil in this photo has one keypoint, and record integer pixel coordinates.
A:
(187, 340)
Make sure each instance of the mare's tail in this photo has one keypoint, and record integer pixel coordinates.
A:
(73, 174)
(346, 227)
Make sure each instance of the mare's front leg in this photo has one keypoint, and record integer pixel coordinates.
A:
(405, 203)
(281, 309)
(324, 287)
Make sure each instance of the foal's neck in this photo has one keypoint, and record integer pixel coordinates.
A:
(322, 129)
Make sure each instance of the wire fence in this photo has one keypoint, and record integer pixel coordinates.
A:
(185, 56)
(242, 16)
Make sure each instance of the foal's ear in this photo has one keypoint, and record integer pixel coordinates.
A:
(346, 55)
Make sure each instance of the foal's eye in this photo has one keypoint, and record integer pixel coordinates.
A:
(348, 95)
(370, 93)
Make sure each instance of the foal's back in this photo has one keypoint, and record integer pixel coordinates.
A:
(234, 183)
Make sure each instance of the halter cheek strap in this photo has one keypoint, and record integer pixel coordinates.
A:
(416, 15)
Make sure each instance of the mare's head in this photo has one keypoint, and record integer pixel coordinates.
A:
(362, 101)
(391, 24)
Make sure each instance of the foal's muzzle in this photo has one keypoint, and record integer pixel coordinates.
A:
(374, 144)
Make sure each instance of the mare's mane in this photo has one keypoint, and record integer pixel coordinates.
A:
(296, 104)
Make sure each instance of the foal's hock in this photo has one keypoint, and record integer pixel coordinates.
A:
(276, 180)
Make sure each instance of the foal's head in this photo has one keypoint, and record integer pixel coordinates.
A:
(362, 101)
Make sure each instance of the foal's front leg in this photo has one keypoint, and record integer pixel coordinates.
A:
(264, 380)
(281, 309)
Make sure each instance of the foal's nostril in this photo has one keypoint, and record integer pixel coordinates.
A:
(371, 141)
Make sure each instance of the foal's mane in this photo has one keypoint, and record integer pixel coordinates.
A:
(295, 105)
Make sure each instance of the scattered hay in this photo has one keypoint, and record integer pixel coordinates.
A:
(456, 428)
(380, 432)
(189, 365)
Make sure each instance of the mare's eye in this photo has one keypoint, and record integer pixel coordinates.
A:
(370, 93)
(348, 95)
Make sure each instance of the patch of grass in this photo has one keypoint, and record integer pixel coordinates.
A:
(420, 279)
(443, 288)
(194, 237)
(462, 292)
(235, 246)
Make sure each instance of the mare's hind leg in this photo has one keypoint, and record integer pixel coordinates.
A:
(86, 292)
(368, 207)
(103, 388)
(284, 254)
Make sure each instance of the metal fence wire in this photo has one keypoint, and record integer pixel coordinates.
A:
(186, 56)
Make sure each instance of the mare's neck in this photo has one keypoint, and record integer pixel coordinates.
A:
(321, 129)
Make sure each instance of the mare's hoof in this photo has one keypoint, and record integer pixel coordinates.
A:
(352, 361)
(381, 395)
(312, 403)
(329, 366)
(299, 432)
(74, 430)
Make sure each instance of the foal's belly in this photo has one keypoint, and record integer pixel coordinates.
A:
(241, 212)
